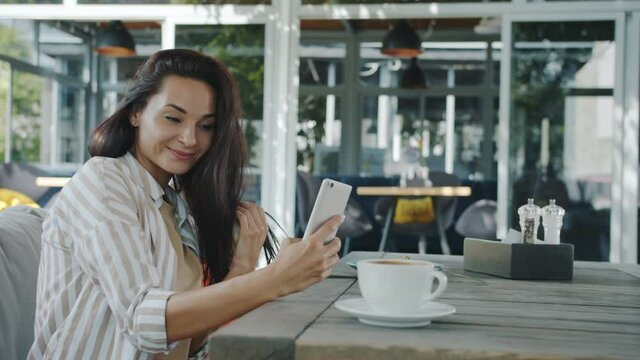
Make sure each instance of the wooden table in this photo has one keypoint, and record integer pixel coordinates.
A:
(414, 191)
(594, 316)
(52, 181)
(395, 191)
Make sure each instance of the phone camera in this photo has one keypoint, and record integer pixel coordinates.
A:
(330, 185)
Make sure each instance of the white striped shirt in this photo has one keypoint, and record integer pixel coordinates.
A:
(107, 267)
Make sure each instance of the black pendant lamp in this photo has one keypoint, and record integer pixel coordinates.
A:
(115, 40)
(401, 41)
(413, 77)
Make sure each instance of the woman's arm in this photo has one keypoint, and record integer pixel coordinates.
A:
(299, 264)
(191, 313)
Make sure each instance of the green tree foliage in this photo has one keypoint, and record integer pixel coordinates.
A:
(26, 92)
(30, 1)
(542, 79)
(311, 119)
(4, 88)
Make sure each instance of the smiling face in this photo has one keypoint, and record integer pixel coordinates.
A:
(175, 129)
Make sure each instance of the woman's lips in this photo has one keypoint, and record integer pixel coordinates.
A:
(184, 156)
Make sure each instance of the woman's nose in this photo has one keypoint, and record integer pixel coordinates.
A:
(188, 136)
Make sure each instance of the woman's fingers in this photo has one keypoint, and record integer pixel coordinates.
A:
(252, 228)
(257, 212)
(257, 215)
(329, 264)
(329, 227)
(247, 219)
(333, 260)
(333, 247)
(242, 219)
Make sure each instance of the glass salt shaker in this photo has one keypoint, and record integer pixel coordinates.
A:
(552, 221)
(529, 221)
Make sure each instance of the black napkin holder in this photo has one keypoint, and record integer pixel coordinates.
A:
(519, 261)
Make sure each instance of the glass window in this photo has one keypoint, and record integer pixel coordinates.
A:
(435, 142)
(241, 49)
(68, 135)
(321, 63)
(47, 111)
(469, 137)
(320, 2)
(30, 104)
(377, 69)
(454, 63)
(17, 39)
(443, 64)
(561, 133)
(496, 58)
(5, 73)
(318, 134)
(394, 135)
(58, 49)
(569, 0)
(179, 2)
(31, 1)
(62, 51)
(413, 131)
(120, 70)
(116, 72)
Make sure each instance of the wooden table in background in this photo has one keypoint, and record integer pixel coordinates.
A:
(52, 181)
(414, 191)
(594, 316)
(395, 191)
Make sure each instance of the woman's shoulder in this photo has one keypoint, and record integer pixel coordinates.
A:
(99, 186)
(105, 163)
(99, 169)
(98, 180)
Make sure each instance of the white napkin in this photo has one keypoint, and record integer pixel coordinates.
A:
(515, 237)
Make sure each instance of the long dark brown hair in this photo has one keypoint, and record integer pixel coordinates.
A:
(214, 186)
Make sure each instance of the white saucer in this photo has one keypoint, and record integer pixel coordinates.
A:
(359, 308)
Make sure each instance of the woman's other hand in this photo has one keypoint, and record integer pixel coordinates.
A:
(253, 232)
(300, 264)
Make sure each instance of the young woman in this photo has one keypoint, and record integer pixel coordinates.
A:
(139, 257)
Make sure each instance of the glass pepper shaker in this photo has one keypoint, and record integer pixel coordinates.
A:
(529, 221)
(552, 221)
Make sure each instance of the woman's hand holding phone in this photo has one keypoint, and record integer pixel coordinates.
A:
(300, 264)
(331, 200)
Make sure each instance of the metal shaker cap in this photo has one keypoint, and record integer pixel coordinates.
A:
(530, 210)
(552, 209)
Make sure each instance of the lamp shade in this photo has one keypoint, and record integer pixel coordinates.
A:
(413, 77)
(401, 41)
(115, 40)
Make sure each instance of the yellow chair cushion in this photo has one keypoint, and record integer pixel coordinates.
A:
(414, 211)
(9, 198)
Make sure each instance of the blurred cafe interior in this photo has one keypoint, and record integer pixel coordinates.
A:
(514, 99)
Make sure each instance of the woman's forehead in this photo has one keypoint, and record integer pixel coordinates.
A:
(192, 95)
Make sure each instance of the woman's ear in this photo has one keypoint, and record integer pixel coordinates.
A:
(134, 120)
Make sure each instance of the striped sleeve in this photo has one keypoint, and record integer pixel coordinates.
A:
(118, 259)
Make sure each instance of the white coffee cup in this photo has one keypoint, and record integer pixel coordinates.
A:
(395, 286)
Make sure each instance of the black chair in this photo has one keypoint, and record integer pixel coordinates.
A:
(445, 208)
(356, 222)
(22, 178)
(478, 220)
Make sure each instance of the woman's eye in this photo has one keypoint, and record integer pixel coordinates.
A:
(206, 127)
(171, 118)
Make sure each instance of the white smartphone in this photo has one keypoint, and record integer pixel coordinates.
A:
(332, 200)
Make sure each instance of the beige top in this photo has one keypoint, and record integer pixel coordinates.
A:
(189, 275)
